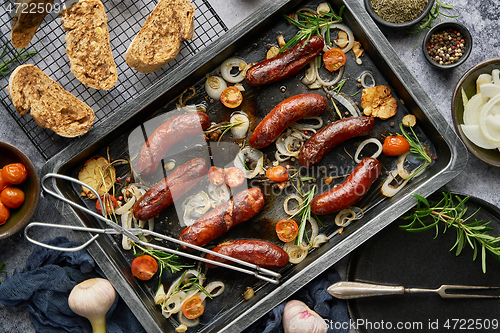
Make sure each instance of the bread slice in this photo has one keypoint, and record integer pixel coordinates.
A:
(26, 21)
(159, 40)
(87, 44)
(51, 106)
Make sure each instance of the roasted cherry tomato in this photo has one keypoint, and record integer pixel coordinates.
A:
(395, 145)
(234, 177)
(334, 59)
(216, 176)
(4, 213)
(12, 197)
(231, 97)
(107, 200)
(277, 173)
(287, 230)
(144, 267)
(14, 173)
(193, 307)
(3, 182)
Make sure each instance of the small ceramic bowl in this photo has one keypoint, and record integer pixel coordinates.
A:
(468, 83)
(19, 217)
(407, 24)
(446, 26)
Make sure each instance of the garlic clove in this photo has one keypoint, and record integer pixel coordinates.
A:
(299, 318)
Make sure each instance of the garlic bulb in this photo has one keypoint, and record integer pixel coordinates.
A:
(92, 299)
(298, 318)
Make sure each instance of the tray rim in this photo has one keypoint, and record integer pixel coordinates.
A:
(347, 245)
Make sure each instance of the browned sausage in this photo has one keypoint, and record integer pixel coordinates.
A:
(245, 205)
(256, 252)
(172, 187)
(167, 135)
(328, 137)
(350, 191)
(285, 64)
(285, 113)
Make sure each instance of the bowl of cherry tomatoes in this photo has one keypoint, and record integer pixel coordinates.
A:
(19, 190)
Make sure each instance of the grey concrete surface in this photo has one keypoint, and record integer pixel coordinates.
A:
(479, 179)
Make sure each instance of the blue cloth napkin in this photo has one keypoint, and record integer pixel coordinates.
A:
(44, 286)
(315, 296)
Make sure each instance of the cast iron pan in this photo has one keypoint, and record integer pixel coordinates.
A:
(398, 257)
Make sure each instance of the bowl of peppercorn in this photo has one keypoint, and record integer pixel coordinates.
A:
(398, 13)
(447, 45)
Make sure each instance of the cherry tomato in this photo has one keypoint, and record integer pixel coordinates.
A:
(395, 145)
(107, 200)
(12, 197)
(3, 182)
(4, 213)
(287, 230)
(14, 173)
(216, 176)
(144, 267)
(334, 59)
(231, 97)
(277, 173)
(234, 177)
(193, 307)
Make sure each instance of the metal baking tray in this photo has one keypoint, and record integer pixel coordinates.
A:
(228, 313)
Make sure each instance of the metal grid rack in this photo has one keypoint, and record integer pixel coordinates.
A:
(125, 19)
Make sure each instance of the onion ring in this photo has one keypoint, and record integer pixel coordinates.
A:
(387, 189)
(294, 197)
(253, 155)
(363, 144)
(318, 240)
(343, 27)
(295, 253)
(324, 83)
(346, 216)
(239, 131)
(363, 78)
(214, 86)
(228, 65)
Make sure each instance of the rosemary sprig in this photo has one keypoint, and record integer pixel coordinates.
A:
(224, 127)
(186, 285)
(417, 148)
(475, 233)
(428, 21)
(5, 65)
(339, 87)
(310, 24)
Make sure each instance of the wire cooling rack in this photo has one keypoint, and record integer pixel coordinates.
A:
(47, 51)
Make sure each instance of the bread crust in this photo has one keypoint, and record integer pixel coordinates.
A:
(87, 44)
(159, 40)
(26, 21)
(50, 105)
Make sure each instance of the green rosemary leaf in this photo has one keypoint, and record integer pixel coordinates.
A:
(483, 257)
(421, 199)
(445, 5)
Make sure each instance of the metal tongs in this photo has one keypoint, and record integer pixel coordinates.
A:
(257, 271)
(350, 290)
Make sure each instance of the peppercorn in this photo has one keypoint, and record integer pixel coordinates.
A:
(446, 47)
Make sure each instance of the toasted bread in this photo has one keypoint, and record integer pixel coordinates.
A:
(51, 106)
(26, 21)
(159, 40)
(87, 44)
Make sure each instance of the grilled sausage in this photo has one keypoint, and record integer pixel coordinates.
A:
(285, 113)
(245, 205)
(256, 252)
(350, 191)
(328, 137)
(285, 64)
(167, 135)
(172, 187)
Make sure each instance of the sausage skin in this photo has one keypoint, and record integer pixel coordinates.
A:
(258, 252)
(350, 191)
(167, 135)
(162, 195)
(285, 113)
(245, 205)
(328, 137)
(285, 64)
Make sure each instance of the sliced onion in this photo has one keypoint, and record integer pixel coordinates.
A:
(314, 232)
(346, 101)
(495, 76)
(308, 127)
(318, 240)
(295, 253)
(126, 224)
(346, 216)
(292, 197)
(490, 90)
(387, 189)
(473, 109)
(151, 224)
(214, 86)
(339, 27)
(173, 304)
(281, 158)
(487, 124)
(324, 83)
(195, 207)
(218, 286)
(239, 131)
(363, 78)
(126, 207)
(186, 321)
(218, 194)
(228, 65)
(160, 296)
(363, 144)
(401, 169)
(253, 155)
(310, 73)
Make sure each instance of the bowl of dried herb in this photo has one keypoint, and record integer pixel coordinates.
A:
(398, 13)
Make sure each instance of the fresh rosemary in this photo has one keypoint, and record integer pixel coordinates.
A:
(475, 233)
(310, 24)
(5, 65)
(224, 127)
(186, 285)
(416, 148)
